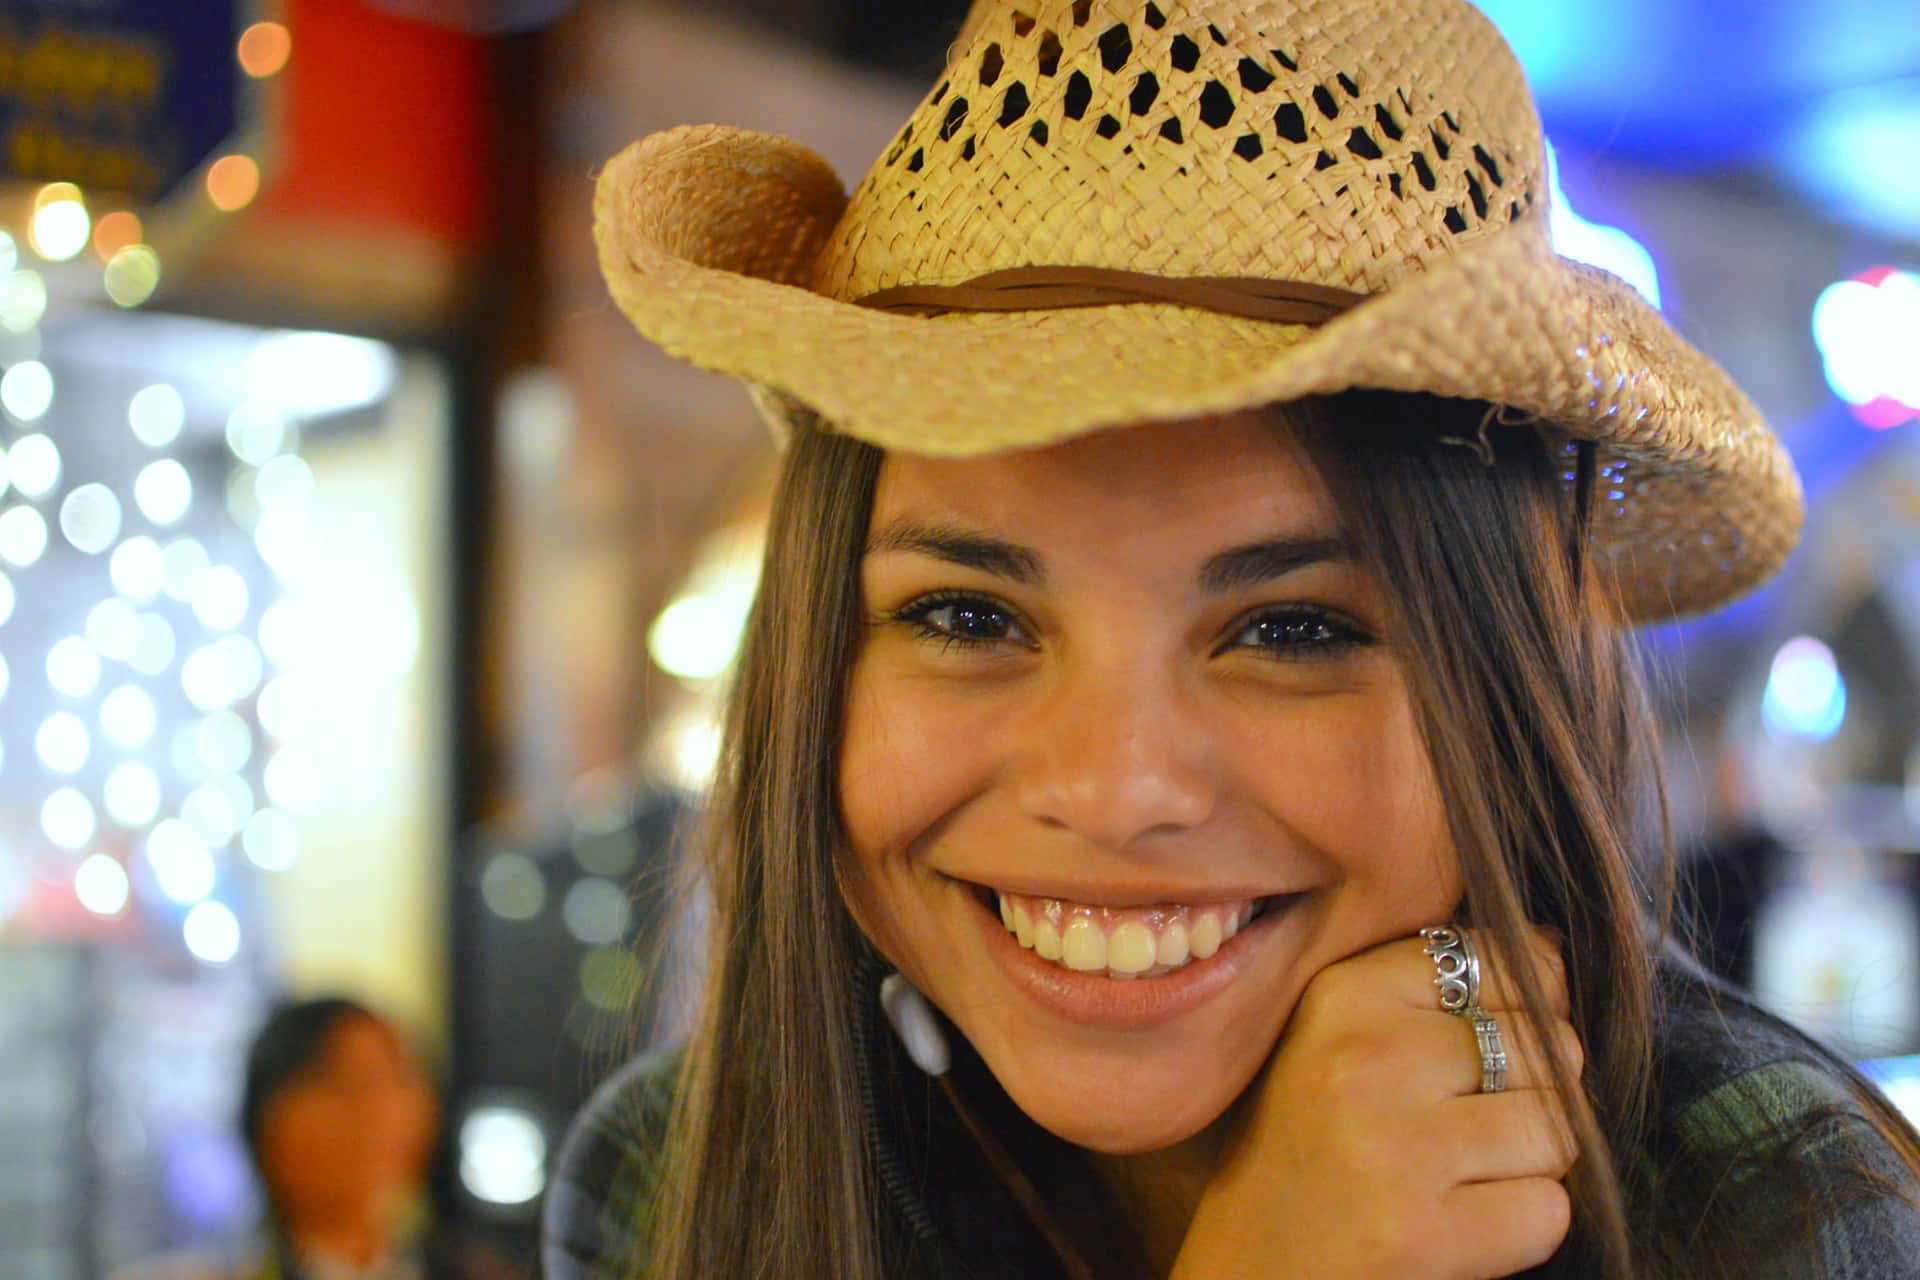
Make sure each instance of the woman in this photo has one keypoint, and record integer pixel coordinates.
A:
(1198, 580)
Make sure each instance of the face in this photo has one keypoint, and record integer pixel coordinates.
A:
(1128, 759)
(350, 1137)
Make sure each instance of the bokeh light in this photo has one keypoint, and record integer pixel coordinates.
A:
(23, 536)
(23, 300)
(222, 743)
(33, 464)
(182, 865)
(26, 391)
(163, 491)
(220, 598)
(6, 597)
(128, 717)
(610, 978)
(271, 840)
(291, 780)
(232, 182)
(132, 275)
(595, 911)
(66, 819)
(153, 646)
(90, 517)
(73, 668)
(512, 887)
(264, 48)
(101, 885)
(210, 811)
(62, 742)
(156, 413)
(1868, 332)
(115, 232)
(256, 433)
(503, 1155)
(212, 933)
(285, 482)
(137, 568)
(113, 628)
(182, 562)
(1805, 696)
(132, 795)
(59, 227)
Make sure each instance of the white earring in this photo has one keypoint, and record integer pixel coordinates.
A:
(914, 1022)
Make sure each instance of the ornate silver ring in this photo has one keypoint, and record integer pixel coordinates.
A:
(1456, 967)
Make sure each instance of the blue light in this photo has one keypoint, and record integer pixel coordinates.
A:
(1806, 697)
(1608, 248)
(1854, 153)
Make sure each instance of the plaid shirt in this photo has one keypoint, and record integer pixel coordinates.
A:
(1754, 1122)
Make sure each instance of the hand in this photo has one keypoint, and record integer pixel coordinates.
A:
(1367, 1149)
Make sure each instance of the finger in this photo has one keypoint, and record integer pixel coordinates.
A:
(1504, 1228)
(1528, 1064)
(1415, 975)
(1494, 1137)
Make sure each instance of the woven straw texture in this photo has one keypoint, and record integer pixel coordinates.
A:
(1384, 146)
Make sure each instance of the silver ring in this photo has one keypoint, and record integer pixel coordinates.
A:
(1493, 1051)
(1456, 967)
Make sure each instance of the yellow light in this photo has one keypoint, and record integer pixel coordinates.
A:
(60, 226)
(55, 193)
(264, 48)
(232, 182)
(133, 275)
(115, 232)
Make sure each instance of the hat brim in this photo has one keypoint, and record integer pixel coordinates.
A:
(706, 236)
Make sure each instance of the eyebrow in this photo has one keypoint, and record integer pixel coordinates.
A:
(1259, 562)
(962, 547)
(1231, 570)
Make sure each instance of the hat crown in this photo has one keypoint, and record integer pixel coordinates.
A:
(1338, 142)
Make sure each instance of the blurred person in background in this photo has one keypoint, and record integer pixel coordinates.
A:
(341, 1119)
(1191, 698)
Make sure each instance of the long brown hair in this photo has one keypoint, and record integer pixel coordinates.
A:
(1526, 690)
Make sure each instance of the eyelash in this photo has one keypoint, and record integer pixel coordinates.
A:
(920, 614)
(1328, 633)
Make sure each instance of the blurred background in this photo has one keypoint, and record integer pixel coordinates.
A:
(366, 583)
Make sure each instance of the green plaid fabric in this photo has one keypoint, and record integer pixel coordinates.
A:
(1758, 1143)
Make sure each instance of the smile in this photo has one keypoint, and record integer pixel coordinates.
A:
(1123, 942)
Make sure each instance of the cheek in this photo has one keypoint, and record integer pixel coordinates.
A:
(905, 764)
(1354, 781)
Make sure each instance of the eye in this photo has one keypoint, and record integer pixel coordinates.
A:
(960, 621)
(1298, 632)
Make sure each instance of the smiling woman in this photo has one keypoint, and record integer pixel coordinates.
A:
(1195, 709)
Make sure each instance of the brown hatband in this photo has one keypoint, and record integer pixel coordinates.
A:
(1058, 288)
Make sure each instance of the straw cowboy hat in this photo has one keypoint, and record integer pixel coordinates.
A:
(1112, 211)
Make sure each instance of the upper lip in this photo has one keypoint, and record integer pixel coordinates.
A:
(1109, 894)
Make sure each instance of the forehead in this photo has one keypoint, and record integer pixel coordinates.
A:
(1213, 480)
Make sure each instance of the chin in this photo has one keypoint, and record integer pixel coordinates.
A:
(1117, 1108)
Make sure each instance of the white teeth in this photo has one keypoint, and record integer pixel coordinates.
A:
(1127, 942)
(1131, 949)
(1204, 938)
(1082, 945)
(1171, 949)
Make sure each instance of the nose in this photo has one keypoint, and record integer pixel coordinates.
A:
(1116, 754)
